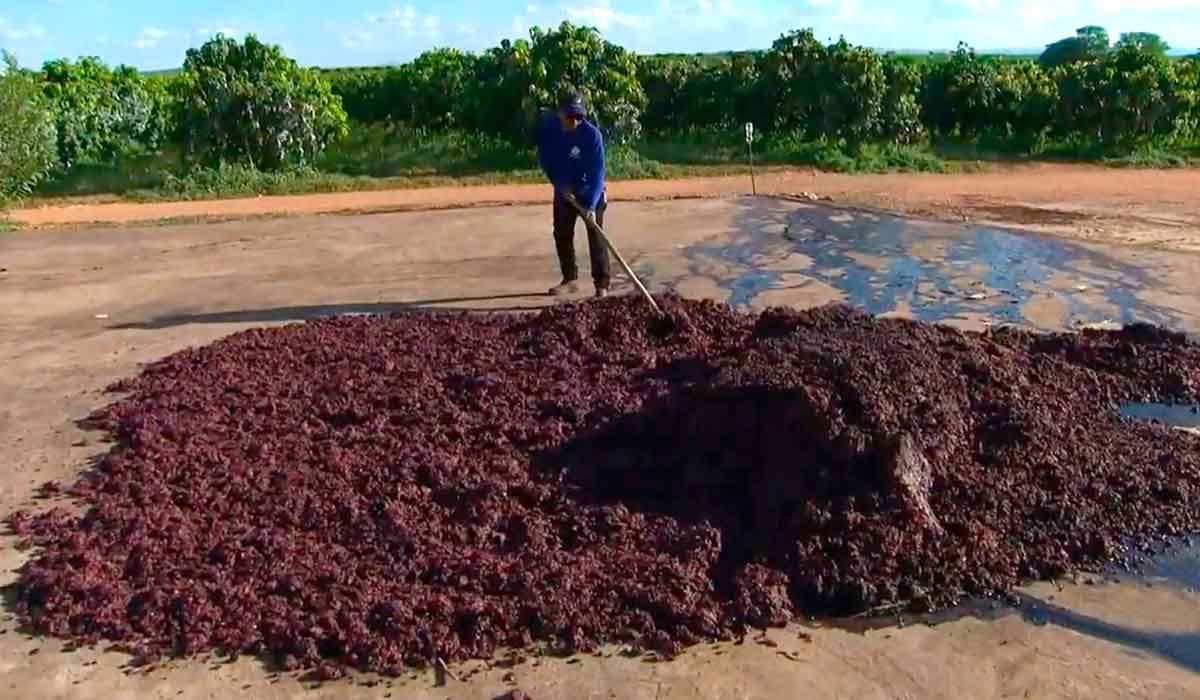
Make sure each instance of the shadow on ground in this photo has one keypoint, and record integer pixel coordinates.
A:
(1182, 648)
(305, 313)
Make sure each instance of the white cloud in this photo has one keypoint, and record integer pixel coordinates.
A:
(603, 17)
(1147, 5)
(228, 30)
(380, 30)
(403, 17)
(532, 9)
(149, 38)
(358, 40)
(465, 30)
(975, 6)
(30, 30)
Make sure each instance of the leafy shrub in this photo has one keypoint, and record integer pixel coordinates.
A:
(449, 112)
(229, 179)
(250, 103)
(496, 104)
(27, 150)
(364, 92)
(432, 88)
(1144, 42)
(1128, 96)
(1088, 44)
(101, 113)
(837, 91)
(960, 94)
(390, 150)
(665, 82)
(901, 122)
(579, 59)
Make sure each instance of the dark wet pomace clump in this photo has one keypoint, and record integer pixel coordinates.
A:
(374, 492)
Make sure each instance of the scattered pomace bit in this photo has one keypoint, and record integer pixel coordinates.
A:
(381, 492)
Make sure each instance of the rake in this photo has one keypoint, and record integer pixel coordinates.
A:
(616, 254)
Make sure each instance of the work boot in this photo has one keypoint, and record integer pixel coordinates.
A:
(565, 287)
(601, 290)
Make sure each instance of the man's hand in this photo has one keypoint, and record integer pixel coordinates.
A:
(589, 217)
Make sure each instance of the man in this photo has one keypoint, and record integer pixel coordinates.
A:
(571, 153)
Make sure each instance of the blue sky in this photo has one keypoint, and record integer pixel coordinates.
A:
(155, 33)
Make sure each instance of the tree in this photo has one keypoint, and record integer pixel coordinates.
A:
(432, 88)
(837, 91)
(250, 102)
(666, 81)
(1144, 41)
(496, 103)
(573, 58)
(362, 91)
(1088, 43)
(101, 113)
(26, 131)
(959, 94)
(1125, 98)
(902, 103)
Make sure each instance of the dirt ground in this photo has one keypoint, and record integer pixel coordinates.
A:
(81, 307)
(1083, 201)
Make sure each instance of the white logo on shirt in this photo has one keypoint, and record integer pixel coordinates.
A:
(575, 152)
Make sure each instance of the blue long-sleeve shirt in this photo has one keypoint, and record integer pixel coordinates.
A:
(573, 160)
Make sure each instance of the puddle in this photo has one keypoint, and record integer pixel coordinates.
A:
(1178, 567)
(935, 272)
(1173, 415)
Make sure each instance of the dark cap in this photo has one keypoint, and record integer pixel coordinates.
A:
(572, 105)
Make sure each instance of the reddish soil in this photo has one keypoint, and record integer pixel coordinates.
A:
(1082, 201)
(383, 491)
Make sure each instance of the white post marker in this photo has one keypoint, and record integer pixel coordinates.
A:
(750, 152)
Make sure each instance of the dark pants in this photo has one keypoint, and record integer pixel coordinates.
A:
(564, 240)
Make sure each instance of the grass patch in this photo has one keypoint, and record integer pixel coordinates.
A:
(390, 156)
(1157, 158)
(6, 204)
(712, 147)
(128, 175)
(396, 151)
(865, 158)
(239, 180)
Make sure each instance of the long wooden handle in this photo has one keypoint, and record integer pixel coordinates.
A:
(616, 253)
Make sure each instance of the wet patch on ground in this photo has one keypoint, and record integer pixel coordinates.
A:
(933, 272)
(1169, 414)
(1158, 583)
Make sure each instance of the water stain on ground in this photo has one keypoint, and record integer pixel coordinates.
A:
(1173, 415)
(1177, 569)
(935, 272)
